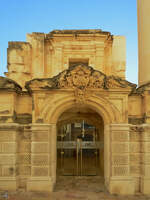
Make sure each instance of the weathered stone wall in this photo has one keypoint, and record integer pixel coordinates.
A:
(120, 179)
(46, 55)
(24, 155)
(136, 155)
(19, 62)
(8, 156)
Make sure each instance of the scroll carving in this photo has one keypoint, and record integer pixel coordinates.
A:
(79, 77)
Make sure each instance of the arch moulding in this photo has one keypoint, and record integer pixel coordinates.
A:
(53, 110)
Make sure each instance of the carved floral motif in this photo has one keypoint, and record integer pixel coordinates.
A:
(81, 95)
(79, 76)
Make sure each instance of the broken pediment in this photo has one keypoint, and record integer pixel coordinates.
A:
(9, 84)
(79, 76)
(116, 82)
(140, 90)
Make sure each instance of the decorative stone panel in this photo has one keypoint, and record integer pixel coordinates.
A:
(40, 171)
(120, 150)
(135, 158)
(135, 170)
(120, 137)
(40, 160)
(120, 170)
(120, 147)
(40, 147)
(118, 159)
(8, 156)
(40, 136)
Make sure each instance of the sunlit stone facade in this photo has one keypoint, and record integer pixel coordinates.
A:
(66, 77)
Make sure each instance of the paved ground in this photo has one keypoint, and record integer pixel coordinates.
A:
(73, 188)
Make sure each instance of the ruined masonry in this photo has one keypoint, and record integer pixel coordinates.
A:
(65, 100)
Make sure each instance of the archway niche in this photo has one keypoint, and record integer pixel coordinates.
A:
(80, 142)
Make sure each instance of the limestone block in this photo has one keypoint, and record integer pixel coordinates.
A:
(19, 56)
(19, 62)
(135, 158)
(37, 42)
(145, 147)
(25, 147)
(8, 170)
(146, 158)
(0, 170)
(40, 171)
(122, 170)
(135, 170)
(7, 135)
(135, 106)
(40, 147)
(143, 40)
(135, 136)
(146, 135)
(8, 184)
(24, 158)
(40, 185)
(24, 104)
(122, 185)
(135, 147)
(40, 136)
(145, 170)
(24, 170)
(40, 159)
(9, 147)
(119, 56)
(118, 159)
(137, 181)
(145, 183)
(1, 150)
(120, 136)
(22, 182)
(7, 159)
(120, 147)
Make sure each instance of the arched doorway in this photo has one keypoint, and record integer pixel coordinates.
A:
(80, 142)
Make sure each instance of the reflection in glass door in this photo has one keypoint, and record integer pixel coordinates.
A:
(78, 153)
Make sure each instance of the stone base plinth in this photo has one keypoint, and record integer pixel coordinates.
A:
(40, 184)
(9, 184)
(145, 185)
(122, 185)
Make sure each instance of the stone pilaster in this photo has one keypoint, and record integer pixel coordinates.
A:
(135, 155)
(37, 42)
(40, 179)
(144, 40)
(145, 178)
(58, 60)
(24, 155)
(120, 180)
(8, 156)
(99, 57)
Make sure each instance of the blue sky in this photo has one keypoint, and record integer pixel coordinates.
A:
(18, 17)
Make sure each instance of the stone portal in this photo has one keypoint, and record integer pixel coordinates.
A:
(80, 143)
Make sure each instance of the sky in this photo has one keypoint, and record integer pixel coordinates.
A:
(19, 17)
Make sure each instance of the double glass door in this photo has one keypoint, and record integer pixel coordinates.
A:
(78, 158)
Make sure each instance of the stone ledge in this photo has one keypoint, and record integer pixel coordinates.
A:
(40, 184)
(122, 185)
(8, 184)
(145, 185)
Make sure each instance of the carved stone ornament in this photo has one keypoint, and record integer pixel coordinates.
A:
(136, 129)
(79, 76)
(10, 85)
(81, 95)
(140, 90)
(116, 82)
